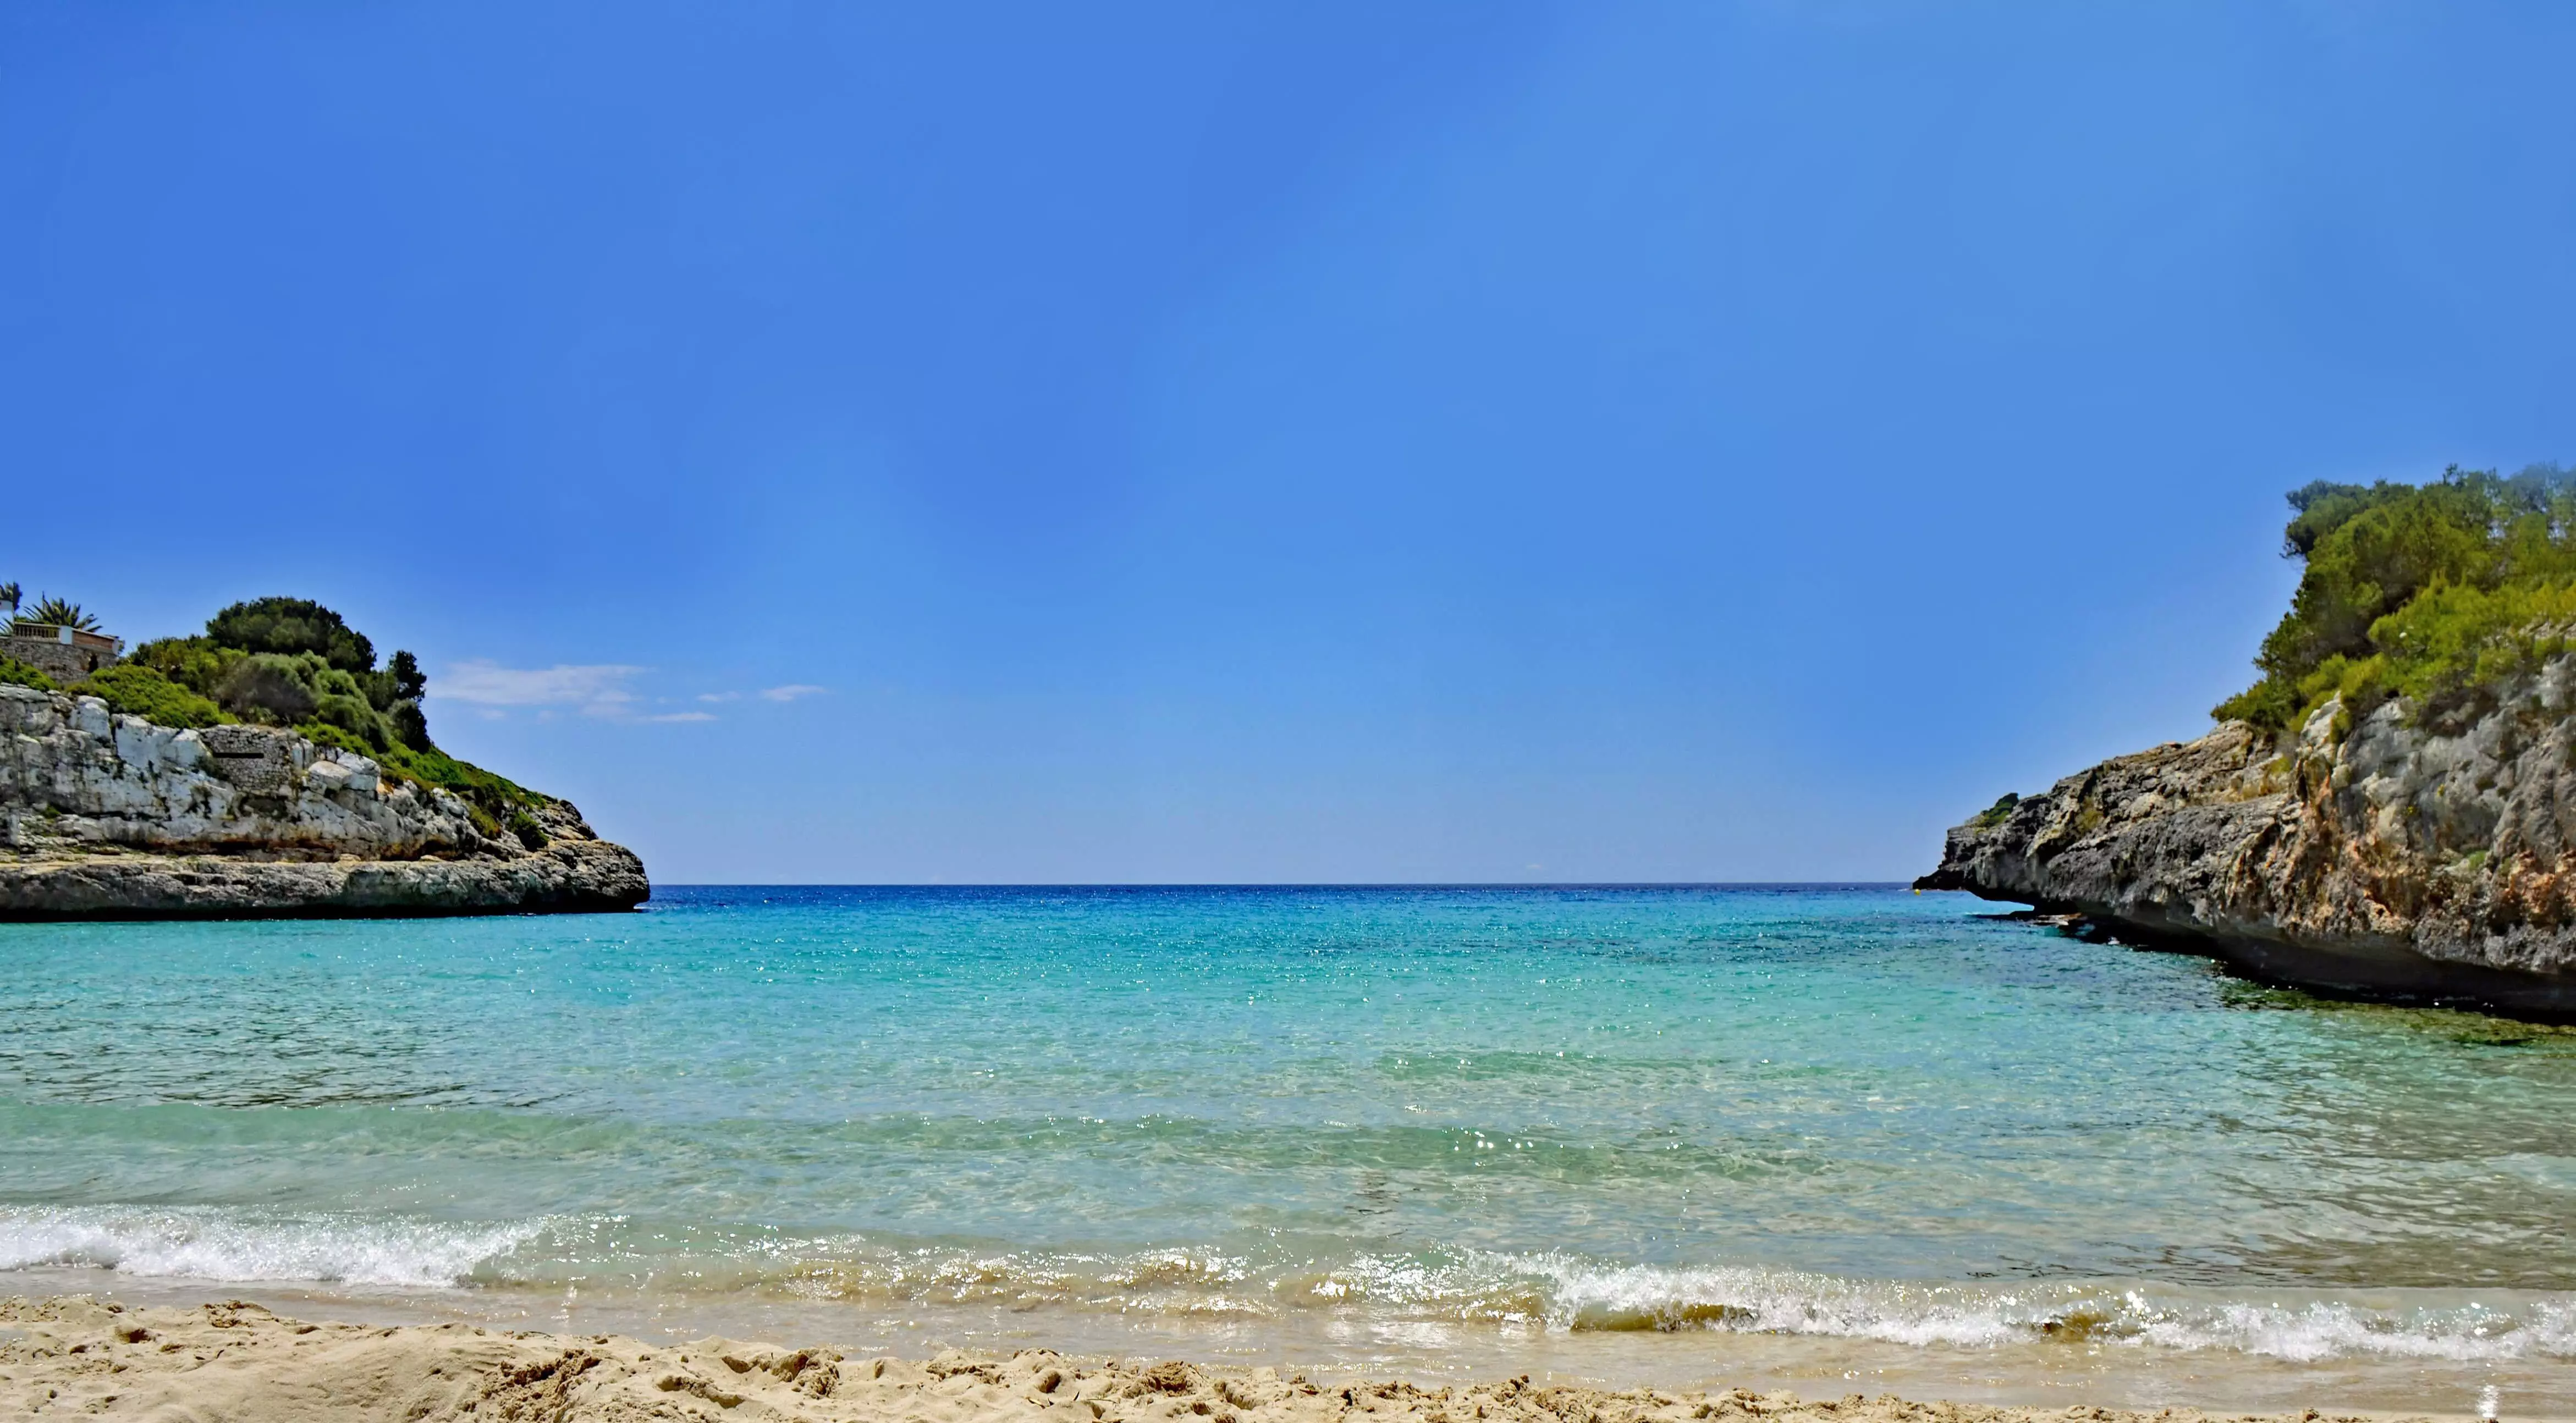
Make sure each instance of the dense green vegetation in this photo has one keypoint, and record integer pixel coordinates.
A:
(290, 626)
(294, 663)
(2435, 592)
(14, 671)
(140, 691)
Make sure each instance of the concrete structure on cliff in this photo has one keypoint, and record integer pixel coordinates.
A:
(62, 653)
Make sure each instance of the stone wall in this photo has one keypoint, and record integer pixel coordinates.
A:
(64, 662)
(260, 761)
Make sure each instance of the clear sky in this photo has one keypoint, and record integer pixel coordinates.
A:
(1310, 442)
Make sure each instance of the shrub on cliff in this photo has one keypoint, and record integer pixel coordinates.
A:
(2453, 640)
(144, 692)
(294, 663)
(304, 690)
(2427, 592)
(195, 663)
(271, 688)
(19, 674)
(498, 795)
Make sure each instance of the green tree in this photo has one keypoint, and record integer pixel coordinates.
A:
(2415, 590)
(290, 626)
(411, 727)
(409, 684)
(2375, 559)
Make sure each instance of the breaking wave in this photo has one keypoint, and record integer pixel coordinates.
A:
(1555, 1291)
(1573, 1294)
(2509, 1325)
(202, 1244)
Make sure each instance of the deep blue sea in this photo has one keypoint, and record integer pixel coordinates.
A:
(1839, 1139)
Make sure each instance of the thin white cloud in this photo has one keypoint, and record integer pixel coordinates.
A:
(493, 685)
(596, 690)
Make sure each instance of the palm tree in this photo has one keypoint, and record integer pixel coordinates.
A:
(57, 613)
(9, 594)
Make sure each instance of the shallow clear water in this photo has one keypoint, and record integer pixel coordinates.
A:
(1842, 1139)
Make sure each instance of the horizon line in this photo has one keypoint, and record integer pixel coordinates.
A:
(1300, 884)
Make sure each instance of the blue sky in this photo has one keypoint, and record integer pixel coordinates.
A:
(1257, 443)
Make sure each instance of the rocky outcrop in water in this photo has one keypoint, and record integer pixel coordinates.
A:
(107, 816)
(2396, 853)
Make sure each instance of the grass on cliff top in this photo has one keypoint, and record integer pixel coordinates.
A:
(2436, 593)
(140, 691)
(1997, 813)
(499, 797)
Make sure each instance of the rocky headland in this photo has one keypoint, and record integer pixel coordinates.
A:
(2390, 854)
(106, 815)
(2388, 810)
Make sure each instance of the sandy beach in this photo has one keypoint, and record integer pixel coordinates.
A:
(76, 1356)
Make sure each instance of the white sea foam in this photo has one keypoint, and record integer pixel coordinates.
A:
(1559, 1291)
(1584, 1295)
(1588, 1295)
(206, 1244)
(2539, 1329)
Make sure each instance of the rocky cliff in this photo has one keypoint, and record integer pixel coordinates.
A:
(2394, 853)
(105, 816)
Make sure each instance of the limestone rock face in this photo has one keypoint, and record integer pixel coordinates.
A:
(106, 816)
(2422, 856)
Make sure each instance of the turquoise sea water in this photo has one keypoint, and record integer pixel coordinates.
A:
(1841, 1139)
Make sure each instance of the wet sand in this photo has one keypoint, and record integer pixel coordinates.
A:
(77, 1356)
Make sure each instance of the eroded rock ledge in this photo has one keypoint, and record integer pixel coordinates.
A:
(2396, 855)
(113, 817)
